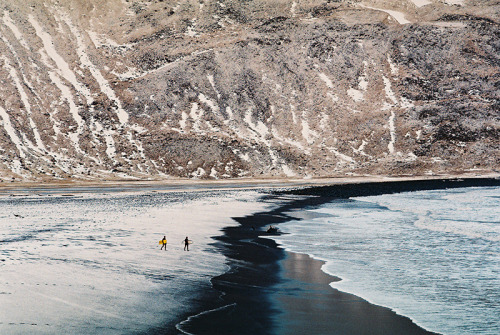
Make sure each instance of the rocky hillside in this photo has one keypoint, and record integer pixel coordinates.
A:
(157, 89)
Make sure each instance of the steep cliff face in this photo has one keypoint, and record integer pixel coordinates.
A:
(218, 89)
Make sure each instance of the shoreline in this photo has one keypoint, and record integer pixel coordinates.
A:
(307, 291)
(269, 290)
(167, 185)
(262, 292)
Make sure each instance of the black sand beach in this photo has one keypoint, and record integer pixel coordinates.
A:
(270, 291)
(310, 306)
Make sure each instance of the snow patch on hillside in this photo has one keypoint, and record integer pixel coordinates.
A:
(341, 155)
(62, 67)
(398, 16)
(7, 20)
(293, 9)
(388, 90)
(96, 73)
(307, 133)
(25, 100)
(213, 106)
(326, 80)
(183, 121)
(421, 3)
(393, 67)
(361, 148)
(212, 82)
(11, 131)
(355, 94)
(455, 2)
(392, 131)
(73, 109)
(259, 127)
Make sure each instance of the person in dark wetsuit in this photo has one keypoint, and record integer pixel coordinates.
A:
(164, 243)
(186, 244)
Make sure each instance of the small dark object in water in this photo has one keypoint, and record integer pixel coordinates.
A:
(272, 229)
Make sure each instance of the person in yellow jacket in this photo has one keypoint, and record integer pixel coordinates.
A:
(164, 243)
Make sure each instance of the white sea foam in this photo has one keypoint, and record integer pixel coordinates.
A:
(180, 326)
(429, 255)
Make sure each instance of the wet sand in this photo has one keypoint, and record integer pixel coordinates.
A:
(309, 305)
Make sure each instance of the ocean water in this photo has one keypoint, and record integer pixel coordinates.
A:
(90, 263)
(433, 256)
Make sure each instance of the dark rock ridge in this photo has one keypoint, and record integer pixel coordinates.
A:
(129, 89)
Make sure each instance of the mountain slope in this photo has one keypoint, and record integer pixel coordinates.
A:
(221, 89)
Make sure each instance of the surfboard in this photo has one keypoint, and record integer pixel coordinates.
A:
(161, 242)
(189, 242)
